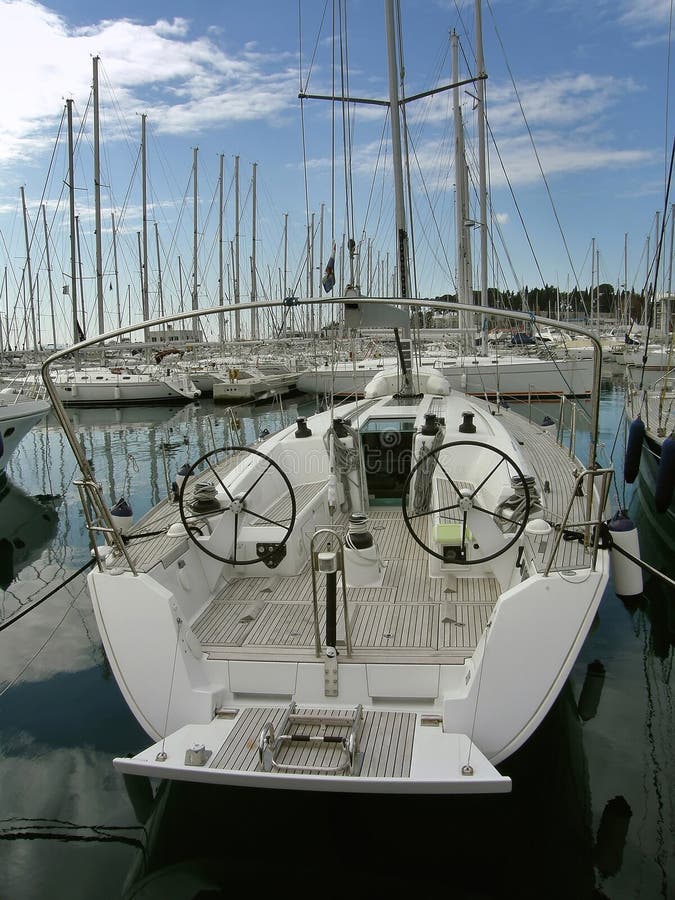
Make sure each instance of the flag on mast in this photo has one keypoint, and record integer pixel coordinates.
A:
(328, 280)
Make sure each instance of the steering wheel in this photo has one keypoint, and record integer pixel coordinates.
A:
(239, 505)
(466, 500)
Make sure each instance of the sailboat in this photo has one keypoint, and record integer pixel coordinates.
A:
(116, 385)
(385, 597)
(650, 450)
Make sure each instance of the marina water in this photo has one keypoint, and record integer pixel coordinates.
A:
(592, 807)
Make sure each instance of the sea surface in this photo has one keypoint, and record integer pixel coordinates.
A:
(591, 814)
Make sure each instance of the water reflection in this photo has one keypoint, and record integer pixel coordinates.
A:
(27, 525)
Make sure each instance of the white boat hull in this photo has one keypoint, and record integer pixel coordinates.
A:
(513, 377)
(16, 420)
(111, 389)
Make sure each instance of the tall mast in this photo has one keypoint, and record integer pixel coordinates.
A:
(285, 255)
(160, 296)
(28, 269)
(140, 270)
(284, 281)
(311, 273)
(49, 276)
(71, 192)
(180, 283)
(80, 273)
(195, 243)
(145, 293)
(597, 289)
(117, 274)
(4, 290)
(668, 299)
(237, 282)
(672, 241)
(221, 291)
(97, 203)
(592, 276)
(254, 286)
(320, 268)
(482, 176)
(464, 282)
(626, 303)
(397, 156)
(648, 264)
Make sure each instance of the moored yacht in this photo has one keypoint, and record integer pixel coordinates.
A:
(117, 385)
(650, 450)
(385, 597)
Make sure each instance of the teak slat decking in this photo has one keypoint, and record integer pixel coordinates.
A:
(410, 614)
(386, 741)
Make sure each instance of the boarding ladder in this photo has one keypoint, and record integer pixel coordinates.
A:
(272, 740)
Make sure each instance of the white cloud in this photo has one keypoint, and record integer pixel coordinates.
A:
(565, 100)
(645, 13)
(188, 83)
(560, 155)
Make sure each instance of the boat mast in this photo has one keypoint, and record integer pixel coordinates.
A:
(482, 175)
(79, 270)
(117, 274)
(221, 292)
(310, 271)
(140, 272)
(195, 284)
(180, 284)
(237, 315)
(397, 156)
(4, 290)
(284, 289)
(144, 259)
(254, 284)
(97, 202)
(28, 269)
(592, 277)
(160, 296)
(49, 275)
(668, 299)
(597, 291)
(625, 314)
(320, 266)
(71, 192)
(464, 282)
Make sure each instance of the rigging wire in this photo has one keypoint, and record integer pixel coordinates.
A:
(534, 148)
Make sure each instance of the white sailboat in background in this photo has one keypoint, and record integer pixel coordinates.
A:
(112, 386)
(386, 597)
(18, 414)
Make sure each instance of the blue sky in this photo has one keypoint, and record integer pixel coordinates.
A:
(224, 77)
